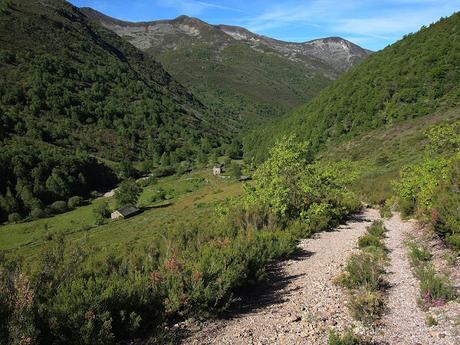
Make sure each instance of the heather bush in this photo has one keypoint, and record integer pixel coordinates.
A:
(363, 270)
(435, 289)
(347, 338)
(418, 254)
(366, 306)
(369, 240)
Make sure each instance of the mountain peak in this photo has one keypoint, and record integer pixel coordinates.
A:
(336, 52)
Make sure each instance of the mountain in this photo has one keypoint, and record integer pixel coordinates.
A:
(414, 77)
(234, 71)
(74, 81)
(70, 88)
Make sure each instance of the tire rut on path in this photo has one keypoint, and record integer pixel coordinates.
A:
(404, 323)
(306, 303)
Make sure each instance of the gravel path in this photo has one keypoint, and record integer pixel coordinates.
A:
(404, 322)
(301, 303)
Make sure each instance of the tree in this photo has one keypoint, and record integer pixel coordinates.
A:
(128, 193)
(235, 170)
(235, 149)
(101, 212)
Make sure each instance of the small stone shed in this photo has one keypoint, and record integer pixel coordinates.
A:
(218, 169)
(125, 212)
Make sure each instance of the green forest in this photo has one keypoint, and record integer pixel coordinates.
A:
(413, 77)
(73, 95)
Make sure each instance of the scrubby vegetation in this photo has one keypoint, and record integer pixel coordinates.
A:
(430, 189)
(347, 338)
(363, 275)
(70, 294)
(435, 289)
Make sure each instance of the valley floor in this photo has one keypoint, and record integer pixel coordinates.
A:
(301, 303)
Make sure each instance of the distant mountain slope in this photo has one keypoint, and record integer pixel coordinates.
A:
(413, 77)
(234, 71)
(72, 83)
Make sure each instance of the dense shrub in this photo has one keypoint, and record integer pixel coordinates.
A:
(74, 202)
(127, 193)
(293, 187)
(368, 240)
(366, 306)
(37, 213)
(376, 229)
(14, 217)
(363, 275)
(101, 212)
(59, 206)
(434, 289)
(418, 254)
(347, 338)
(430, 189)
(363, 270)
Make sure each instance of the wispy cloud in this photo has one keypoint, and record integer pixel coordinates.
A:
(193, 8)
(361, 19)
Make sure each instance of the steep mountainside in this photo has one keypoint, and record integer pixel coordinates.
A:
(69, 82)
(414, 77)
(71, 90)
(237, 72)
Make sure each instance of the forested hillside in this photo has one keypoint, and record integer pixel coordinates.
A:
(411, 78)
(73, 89)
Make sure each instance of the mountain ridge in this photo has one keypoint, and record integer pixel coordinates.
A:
(249, 81)
(242, 34)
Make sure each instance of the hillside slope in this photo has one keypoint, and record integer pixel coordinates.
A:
(72, 83)
(234, 71)
(71, 91)
(413, 77)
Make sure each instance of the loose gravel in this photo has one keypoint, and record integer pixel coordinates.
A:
(302, 304)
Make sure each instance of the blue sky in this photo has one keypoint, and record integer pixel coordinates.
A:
(372, 24)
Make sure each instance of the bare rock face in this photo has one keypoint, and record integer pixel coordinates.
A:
(163, 35)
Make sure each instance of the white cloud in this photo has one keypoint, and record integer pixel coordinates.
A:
(361, 19)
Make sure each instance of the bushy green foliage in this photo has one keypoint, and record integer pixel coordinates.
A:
(128, 193)
(430, 189)
(413, 77)
(59, 206)
(418, 254)
(363, 270)
(347, 338)
(368, 240)
(363, 275)
(377, 229)
(34, 175)
(292, 187)
(435, 289)
(74, 202)
(101, 212)
(366, 306)
(14, 217)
